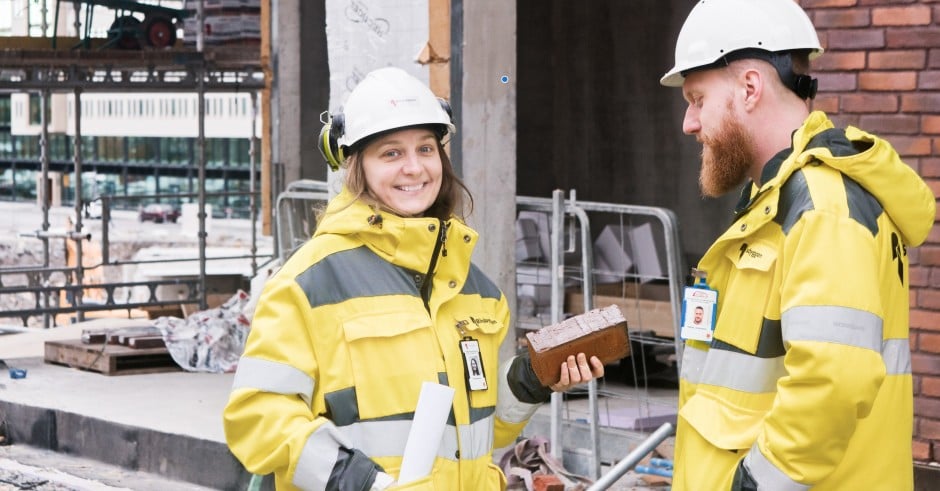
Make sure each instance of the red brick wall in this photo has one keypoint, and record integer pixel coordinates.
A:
(881, 72)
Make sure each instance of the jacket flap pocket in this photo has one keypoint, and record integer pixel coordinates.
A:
(384, 324)
(484, 323)
(723, 425)
(756, 255)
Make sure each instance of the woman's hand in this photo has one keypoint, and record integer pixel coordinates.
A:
(574, 372)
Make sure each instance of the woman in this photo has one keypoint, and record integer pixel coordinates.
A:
(382, 299)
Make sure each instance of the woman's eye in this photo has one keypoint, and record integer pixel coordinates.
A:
(391, 154)
(426, 149)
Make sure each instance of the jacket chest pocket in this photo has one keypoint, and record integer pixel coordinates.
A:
(391, 354)
(747, 294)
(488, 333)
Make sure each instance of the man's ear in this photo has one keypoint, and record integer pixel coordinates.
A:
(752, 83)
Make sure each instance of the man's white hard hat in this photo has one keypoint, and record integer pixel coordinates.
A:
(390, 98)
(715, 28)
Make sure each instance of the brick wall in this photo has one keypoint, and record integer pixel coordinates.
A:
(881, 72)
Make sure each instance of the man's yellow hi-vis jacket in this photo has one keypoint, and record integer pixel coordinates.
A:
(808, 378)
(343, 338)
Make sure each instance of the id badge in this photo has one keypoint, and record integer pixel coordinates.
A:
(698, 312)
(473, 363)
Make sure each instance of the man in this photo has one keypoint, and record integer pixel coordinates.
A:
(698, 315)
(807, 381)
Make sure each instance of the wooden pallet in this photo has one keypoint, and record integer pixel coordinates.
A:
(109, 359)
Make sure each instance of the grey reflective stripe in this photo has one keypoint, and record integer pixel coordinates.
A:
(274, 377)
(768, 476)
(479, 283)
(693, 360)
(863, 207)
(741, 371)
(387, 438)
(794, 201)
(318, 458)
(829, 324)
(354, 273)
(476, 439)
(897, 356)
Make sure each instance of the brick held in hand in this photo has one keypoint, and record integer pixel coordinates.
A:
(600, 332)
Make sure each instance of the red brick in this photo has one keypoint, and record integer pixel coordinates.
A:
(837, 82)
(897, 59)
(913, 338)
(826, 102)
(908, 145)
(846, 60)
(930, 386)
(927, 428)
(933, 277)
(921, 451)
(911, 15)
(927, 406)
(927, 320)
(934, 186)
(928, 80)
(871, 103)
(841, 18)
(547, 482)
(890, 123)
(811, 4)
(920, 276)
(841, 39)
(929, 343)
(920, 102)
(844, 119)
(930, 124)
(933, 238)
(912, 37)
(892, 81)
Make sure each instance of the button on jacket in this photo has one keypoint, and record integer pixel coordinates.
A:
(809, 375)
(343, 338)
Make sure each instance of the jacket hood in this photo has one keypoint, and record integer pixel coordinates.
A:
(874, 164)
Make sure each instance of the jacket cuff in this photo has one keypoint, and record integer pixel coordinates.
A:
(523, 382)
(353, 470)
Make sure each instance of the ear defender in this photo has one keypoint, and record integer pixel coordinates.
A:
(328, 140)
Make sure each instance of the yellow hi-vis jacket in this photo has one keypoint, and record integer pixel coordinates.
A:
(342, 340)
(808, 378)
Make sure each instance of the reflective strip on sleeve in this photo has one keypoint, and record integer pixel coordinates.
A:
(768, 476)
(828, 324)
(318, 457)
(897, 356)
(274, 377)
(741, 371)
(387, 438)
(508, 407)
(476, 438)
(693, 361)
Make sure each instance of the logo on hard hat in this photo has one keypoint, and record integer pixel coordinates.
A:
(395, 102)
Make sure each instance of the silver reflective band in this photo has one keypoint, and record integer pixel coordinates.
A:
(693, 360)
(476, 439)
(508, 407)
(741, 371)
(769, 477)
(828, 324)
(318, 458)
(273, 377)
(387, 438)
(897, 356)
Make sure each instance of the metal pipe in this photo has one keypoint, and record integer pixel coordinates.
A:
(79, 273)
(621, 468)
(556, 265)
(44, 198)
(201, 156)
(252, 156)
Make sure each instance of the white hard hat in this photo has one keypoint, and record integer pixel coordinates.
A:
(390, 98)
(716, 28)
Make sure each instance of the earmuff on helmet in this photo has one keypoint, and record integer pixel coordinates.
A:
(387, 99)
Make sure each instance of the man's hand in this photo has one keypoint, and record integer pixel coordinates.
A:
(576, 371)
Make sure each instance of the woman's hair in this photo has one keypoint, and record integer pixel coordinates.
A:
(453, 198)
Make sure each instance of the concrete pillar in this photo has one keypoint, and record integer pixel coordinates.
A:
(300, 89)
(487, 54)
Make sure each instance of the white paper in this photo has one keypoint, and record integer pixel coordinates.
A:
(434, 405)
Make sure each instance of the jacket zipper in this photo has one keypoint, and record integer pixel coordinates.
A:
(439, 244)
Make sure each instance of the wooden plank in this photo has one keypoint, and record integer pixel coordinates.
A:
(109, 359)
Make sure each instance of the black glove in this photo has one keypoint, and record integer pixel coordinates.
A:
(354, 471)
(524, 383)
(742, 479)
